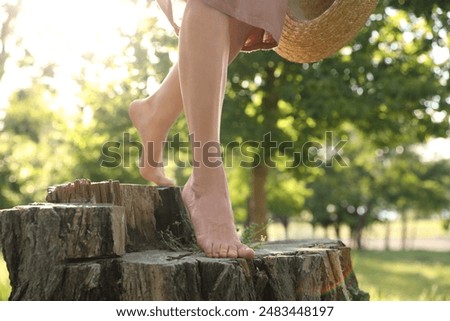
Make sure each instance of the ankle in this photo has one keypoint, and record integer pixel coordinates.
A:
(209, 180)
(206, 156)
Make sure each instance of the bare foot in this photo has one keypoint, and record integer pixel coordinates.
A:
(153, 132)
(212, 218)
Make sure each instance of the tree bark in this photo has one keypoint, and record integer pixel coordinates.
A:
(79, 252)
(38, 240)
(155, 216)
(258, 203)
(337, 230)
(358, 232)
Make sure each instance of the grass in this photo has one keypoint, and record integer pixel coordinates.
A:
(5, 288)
(403, 275)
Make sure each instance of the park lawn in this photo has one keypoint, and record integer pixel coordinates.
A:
(5, 288)
(403, 275)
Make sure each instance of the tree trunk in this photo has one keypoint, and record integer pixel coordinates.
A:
(404, 233)
(258, 204)
(413, 233)
(387, 236)
(358, 232)
(356, 238)
(337, 229)
(78, 252)
(286, 227)
(153, 215)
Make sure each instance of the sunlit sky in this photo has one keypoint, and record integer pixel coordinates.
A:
(61, 31)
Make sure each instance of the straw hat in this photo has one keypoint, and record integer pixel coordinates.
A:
(315, 29)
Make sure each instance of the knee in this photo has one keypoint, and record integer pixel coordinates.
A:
(198, 11)
(195, 7)
(202, 19)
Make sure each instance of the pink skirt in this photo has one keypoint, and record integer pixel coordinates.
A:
(267, 16)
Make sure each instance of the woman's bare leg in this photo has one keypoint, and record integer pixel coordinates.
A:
(154, 115)
(205, 40)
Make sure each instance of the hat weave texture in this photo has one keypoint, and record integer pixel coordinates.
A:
(316, 29)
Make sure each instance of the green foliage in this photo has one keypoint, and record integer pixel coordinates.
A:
(418, 7)
(376, 180)
(286, 195)
(29, 115)
(412, 184)
(146, 58)
(446, 224)
(238, 184)
(41, 146)
(383, 93)
(33, 146)
(252, 235)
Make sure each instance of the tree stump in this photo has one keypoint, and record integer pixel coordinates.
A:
(152, 214)
(112, 241)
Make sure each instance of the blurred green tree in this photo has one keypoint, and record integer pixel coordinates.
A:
(383, 93)
(34, 147)
(113, 148)
(413, 187)
(388, 84)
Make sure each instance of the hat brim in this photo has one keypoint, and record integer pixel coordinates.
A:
(306, 41)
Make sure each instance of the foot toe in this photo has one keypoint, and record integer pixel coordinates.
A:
(206, 247)
(233, 252)
(216, 250)
(224, 248)
(245, 252)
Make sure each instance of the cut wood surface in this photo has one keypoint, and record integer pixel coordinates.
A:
(88, 250)
(150, 212)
